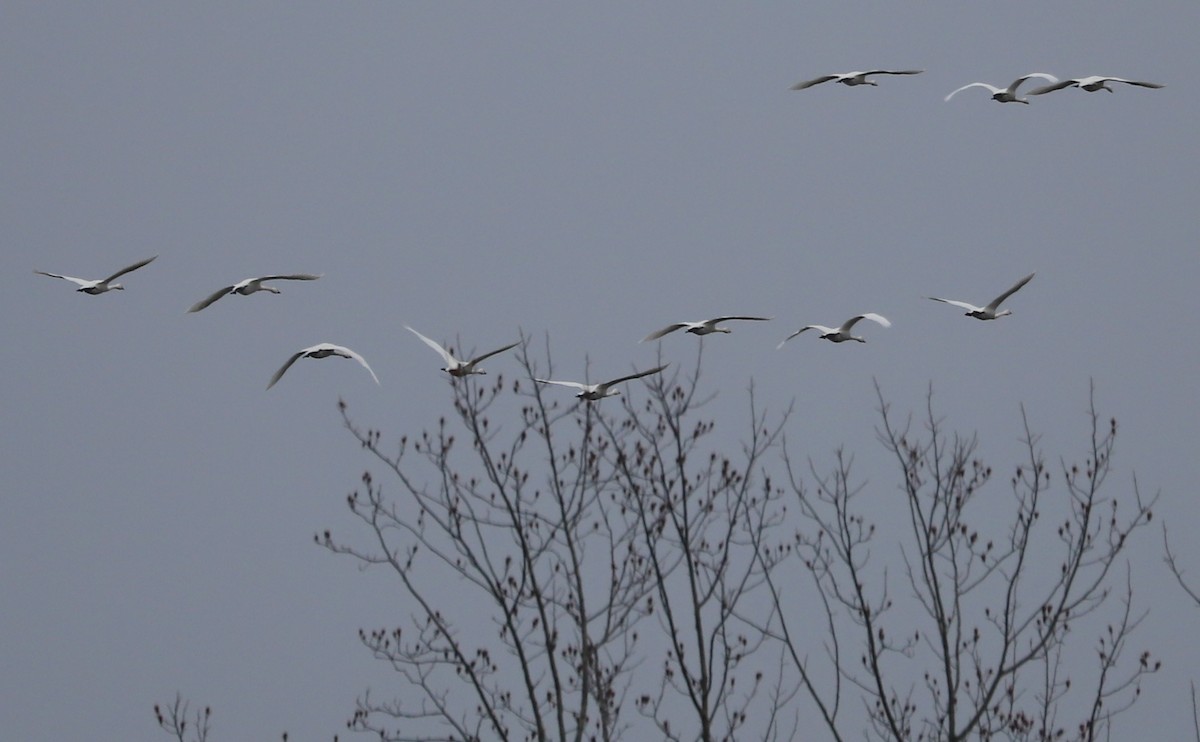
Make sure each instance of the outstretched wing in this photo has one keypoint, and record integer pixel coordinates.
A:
(210, 299)
(445, 354)
(1154, 85)
(283, 369)
(290, 277)
(961, 304)
(1016, 287)
(477, 359)
(363, 361)
(572, 384)
(664, 331)
(637, 375)
(727, 319)
(1051, 88)
(1017, 83)
(877, 318)
(794, 334)
(72, 279)
(992, 88)
(129, 269)
(814, 81)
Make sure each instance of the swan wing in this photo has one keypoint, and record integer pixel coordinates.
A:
(992, 88)
(814, 81)
(572, 384)
(961, 304)
(1017, 83)
(129, 269)
(72, 279)
(283, 369)
(1140, 84)
(665, 331)
(876, 318)
(630, 377)
(794, 334)
(288, 277)
(1051, 88)
(206, 301)
(445, 354)
(995, 303)
(498, 351)
(362, 361)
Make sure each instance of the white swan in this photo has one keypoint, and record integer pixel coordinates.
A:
(250, 286)
(100, 285)
(593, 392)
(321, 350)
(852, 78)
(988, 312)
(1091, 84)
(1005, 95)
(707, 327)
(840, 334)
(454, 366)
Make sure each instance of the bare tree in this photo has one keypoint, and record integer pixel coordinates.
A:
(996, 591)
(532, 554)
(176, 721)
(1177, 571)
(613, 570)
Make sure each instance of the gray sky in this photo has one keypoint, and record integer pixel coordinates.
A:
(588, 171)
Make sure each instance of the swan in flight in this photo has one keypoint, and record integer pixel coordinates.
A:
(321, 350)
(1091, 84)
(852, 78)
(988, 312)
(455, 367)
(840, 334)
(707, 327)
(100, 285)
(593, 392)
(250, 286)
(1009, 94)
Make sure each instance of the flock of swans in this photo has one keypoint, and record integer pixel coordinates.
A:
(459, 368)
(1000, 95)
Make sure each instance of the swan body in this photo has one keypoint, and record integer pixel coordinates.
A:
(250, 286)
(988, 312)
(1009, 94)
(593, 392)
(1091, 84)
(454, 366)
(321, 350)
(852, 78)
(840, 334)
(707, 327)
(99, 285)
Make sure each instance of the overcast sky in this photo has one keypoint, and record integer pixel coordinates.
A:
(587, 171)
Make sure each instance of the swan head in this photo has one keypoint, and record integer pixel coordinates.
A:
(1003, 313)
(115, 286)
